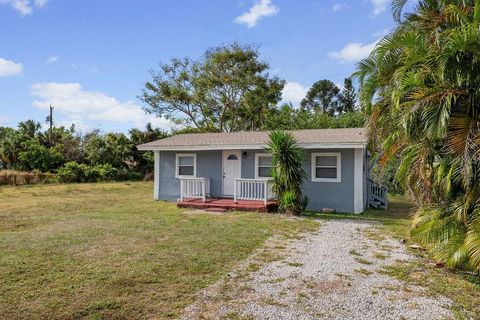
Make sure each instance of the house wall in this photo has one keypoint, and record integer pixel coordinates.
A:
(335, 195)
(209, 164)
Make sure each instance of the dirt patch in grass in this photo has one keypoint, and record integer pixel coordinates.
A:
(107, 250)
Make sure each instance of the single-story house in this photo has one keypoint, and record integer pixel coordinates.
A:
(213, 168)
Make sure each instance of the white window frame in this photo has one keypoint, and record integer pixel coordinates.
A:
(177, 165)
(326, 154)
(257, 163)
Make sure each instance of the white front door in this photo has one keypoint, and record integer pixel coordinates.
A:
(232, 161)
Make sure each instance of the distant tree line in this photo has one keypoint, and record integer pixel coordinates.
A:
(229, 89)
(89, 157)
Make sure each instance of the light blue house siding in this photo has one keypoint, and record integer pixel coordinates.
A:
(334, 195)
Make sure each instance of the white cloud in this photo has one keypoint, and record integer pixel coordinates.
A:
(339, 6)
(9, 68)
(294, 92)
(24, 7)
(40, 3)
(52, 59)
(263, 8)
(353, 52)
(379, 6)
(82, 107)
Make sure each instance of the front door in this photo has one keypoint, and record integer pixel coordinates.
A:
(231, 170)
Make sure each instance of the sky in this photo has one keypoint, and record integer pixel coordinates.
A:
(90, 58)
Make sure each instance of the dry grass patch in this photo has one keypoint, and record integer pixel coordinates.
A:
(16, 178)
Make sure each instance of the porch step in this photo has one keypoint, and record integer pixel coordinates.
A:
(227, 204)
(216, 210)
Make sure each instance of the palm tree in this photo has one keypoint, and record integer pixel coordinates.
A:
(421, 90)
(287, 173)
(29, 129)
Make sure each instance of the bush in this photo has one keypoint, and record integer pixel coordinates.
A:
(76, 172)
(36, 156)
(101, 172)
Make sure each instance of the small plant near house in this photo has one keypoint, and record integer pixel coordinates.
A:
(287, 173)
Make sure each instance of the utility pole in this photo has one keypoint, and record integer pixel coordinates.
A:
(50, 120)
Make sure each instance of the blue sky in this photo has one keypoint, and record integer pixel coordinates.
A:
(89, 58)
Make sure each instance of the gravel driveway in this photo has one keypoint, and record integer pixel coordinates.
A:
(330, 274)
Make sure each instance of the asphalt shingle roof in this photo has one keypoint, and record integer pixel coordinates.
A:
(257, 138)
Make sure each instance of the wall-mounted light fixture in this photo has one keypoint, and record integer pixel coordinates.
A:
(244, 155)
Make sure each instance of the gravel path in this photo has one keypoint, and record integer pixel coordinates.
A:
(330, 274)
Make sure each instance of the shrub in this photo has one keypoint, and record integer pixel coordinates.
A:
(288, 173)
(102, 172)
(36, 156)
(75, 172)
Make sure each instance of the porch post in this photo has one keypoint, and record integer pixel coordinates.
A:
(181, 189)
(265, 196)
(204, 189)
(235, 190)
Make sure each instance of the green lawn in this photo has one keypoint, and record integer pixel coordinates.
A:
(95, 251)
(108, 251)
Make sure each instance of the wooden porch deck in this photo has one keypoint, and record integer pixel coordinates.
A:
(228, 204)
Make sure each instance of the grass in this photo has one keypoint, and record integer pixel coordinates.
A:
(364, 271)
(380, 256)
(108, 251)
(363, 261)
(295, 264)
(354, 252)
(463, 289)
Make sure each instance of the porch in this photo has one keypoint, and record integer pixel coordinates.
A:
(248, 195)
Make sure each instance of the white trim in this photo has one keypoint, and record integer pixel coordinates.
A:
(338, 166)
(358, 180)
(249, 147)
(239, 155)
(258, 155)
(156, 176)
(178, 155)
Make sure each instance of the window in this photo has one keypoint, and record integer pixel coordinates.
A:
(263, 165)
(326, 167)
(186, 165)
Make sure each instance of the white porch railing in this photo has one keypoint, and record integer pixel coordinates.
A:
(194, 188)
(252, 189)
